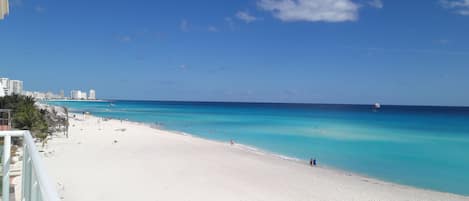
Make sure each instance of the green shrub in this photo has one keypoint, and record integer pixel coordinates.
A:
(25, 115)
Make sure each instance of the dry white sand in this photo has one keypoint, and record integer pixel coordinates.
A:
(150, 164)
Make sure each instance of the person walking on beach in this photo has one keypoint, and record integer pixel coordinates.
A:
(312, 162)
(231, 142)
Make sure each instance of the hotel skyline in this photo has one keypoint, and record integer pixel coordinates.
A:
(82, 95)
(10, 87)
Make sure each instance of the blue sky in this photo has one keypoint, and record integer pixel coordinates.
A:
(315, 51)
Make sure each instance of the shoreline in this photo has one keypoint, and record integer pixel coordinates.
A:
(247, 148)
(215, 169)
(262, 152)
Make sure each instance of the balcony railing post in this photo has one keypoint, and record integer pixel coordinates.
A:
(35, 182)
(6, 167)
(26, 186)
(23, 178)
(34, 188)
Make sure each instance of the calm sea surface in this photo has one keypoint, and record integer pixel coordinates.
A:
(427, 147)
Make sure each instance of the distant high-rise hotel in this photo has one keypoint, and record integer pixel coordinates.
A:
(16, 87)
(81, 95)
(4, 85)
(92, 95)
(2, 90)
(10, 87)
(76, 95)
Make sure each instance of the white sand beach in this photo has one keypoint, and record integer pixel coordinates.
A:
(122, 161)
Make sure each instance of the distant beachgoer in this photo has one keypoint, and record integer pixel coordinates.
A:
(311, 161)
(314, 162)
(231, 142)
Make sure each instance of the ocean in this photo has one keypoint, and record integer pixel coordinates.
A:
(421, 146)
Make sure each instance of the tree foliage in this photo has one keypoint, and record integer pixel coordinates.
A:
(26, 116)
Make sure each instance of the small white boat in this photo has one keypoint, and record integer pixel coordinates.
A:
(377, 106)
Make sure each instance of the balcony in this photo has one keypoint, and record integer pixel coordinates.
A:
(35, 184)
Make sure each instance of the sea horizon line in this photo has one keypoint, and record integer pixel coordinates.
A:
(267, 103)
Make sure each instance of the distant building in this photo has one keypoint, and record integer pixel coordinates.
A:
(42, 96)
(10, 87)
(75, 94)
(15, 87)
(50, 95)
(62, 94)
(4, 81)
(78, 95)
(83, 96)
(5, 85)
(4, 8)
(39, 95)
(28, 93)
(92, 95)
(2, 90)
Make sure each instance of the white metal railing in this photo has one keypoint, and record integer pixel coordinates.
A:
(35, 182)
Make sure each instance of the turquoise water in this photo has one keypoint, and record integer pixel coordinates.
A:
(426, 147)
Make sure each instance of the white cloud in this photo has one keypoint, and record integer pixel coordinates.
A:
(184, 26)
(464, 12)
(459, 6)
(123, 38)
(311, 10)
(455, 3)
(212, 28)
(245, 16)
(230, 23)
(376, 3)
(39, 9)
(442, 41)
